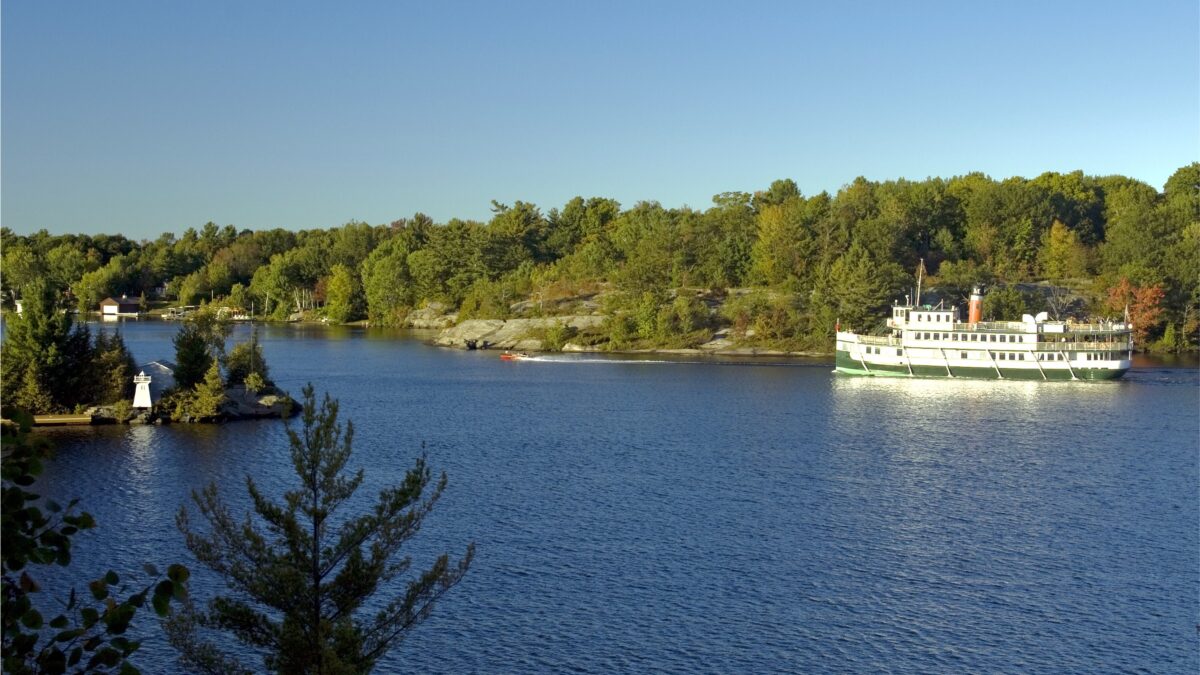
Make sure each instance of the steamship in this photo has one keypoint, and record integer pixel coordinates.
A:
(930, 341)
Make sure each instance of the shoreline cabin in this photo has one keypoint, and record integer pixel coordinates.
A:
(124, 307)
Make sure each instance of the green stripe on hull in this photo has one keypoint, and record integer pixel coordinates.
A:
(851, 366)
(1099, 373)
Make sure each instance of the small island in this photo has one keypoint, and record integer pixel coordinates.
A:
(60, 373)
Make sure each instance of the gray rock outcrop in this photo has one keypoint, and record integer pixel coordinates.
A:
(433, 315)
(241, 403)
(519, 334)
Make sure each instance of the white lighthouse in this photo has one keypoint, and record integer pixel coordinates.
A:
(141, 394)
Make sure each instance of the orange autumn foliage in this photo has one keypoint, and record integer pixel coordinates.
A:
(1144, 303)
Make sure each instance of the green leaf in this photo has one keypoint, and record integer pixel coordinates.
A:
(32, 619)
(105, 657)
(161, 604)
(90, 616)
(118, 619)
(54, 662)
(164, 588)
(178, 573)
(27, 584)
(23, 644)
(111, 578)
(99, 589)
(128, 669)
(68, 635)
(59, 621)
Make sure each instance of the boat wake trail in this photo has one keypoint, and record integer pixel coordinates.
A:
(618, 361)
(572, 359)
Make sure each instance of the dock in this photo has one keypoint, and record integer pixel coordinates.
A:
(61, 420)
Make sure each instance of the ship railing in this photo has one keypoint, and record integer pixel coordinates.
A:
(1102, 327)
(881, 340)
(1007, 326)
(1121, 345)
(1081, 346)
(1019, 327)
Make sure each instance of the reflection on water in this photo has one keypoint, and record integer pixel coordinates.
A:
(141, 459)
(141, 443)
(914, 404)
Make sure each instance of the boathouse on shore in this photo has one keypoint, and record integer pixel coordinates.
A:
(124, 307)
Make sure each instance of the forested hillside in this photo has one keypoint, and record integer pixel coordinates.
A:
(776, 266)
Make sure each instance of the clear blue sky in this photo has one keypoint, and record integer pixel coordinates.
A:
(144, 117)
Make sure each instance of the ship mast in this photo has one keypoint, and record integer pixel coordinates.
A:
(920, 272)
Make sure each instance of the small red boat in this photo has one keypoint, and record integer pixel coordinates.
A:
(513, 356)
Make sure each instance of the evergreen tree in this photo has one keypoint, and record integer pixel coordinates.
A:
(192, 359)
(858, 289)
(783, 245)
(254, 383)
(208, 396)
(112, 369)
(33, 392)
(199, 342)
(44, 362)
(299, 579)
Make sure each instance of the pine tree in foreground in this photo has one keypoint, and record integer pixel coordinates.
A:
(298, 579)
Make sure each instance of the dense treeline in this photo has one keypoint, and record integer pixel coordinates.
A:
(806, 260)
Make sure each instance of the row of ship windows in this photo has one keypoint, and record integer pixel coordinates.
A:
(1107, 356)
(1003, 356)
(973, 337)
(1018, 356)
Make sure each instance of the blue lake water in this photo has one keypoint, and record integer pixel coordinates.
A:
(718, 516)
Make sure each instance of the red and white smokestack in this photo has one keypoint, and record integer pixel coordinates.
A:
(975, 309)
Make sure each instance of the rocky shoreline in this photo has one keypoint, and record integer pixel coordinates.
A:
(239, 404)
(522, 335)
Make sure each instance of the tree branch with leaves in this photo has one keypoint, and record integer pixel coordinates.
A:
(82, 635)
